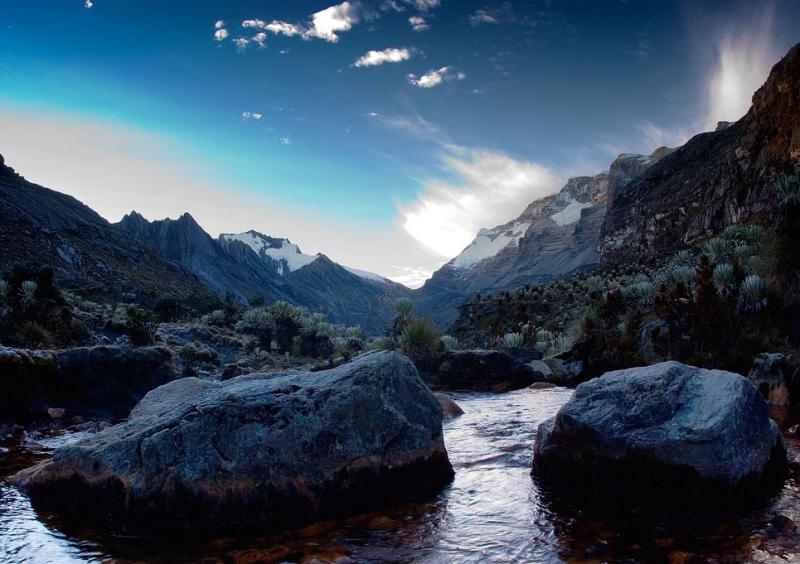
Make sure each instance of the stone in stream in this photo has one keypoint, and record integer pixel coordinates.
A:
(268, 449)
(450, 409)
(669, 431)
(496, 371)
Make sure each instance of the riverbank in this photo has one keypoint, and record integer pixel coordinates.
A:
(492, 511)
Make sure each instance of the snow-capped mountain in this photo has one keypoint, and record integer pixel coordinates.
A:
(252, 264)
(553, 236)
(286, 254)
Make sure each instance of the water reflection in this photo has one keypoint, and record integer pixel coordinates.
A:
(492, 512)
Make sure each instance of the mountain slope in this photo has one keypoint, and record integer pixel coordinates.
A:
(554, 236)
(45, 227)
(223, 268)
(252, 264)
(716, 179)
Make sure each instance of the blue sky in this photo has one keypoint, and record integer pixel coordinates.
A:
(259, 115)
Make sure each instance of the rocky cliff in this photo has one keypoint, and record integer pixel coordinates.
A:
(717, 179)
(554, 236)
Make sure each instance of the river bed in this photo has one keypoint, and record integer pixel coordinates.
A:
(492, 512)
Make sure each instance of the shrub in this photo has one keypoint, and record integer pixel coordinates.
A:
(381, 344)
(217, 317)
(449, 343)
(788, 190)
(512, 340)
(142, 326)
(27, 291)
(753, 293)
(724, 277)
(4, 288)
(419, 339)
(683, 258)
(717, 249)
(683, 274)
(403, 307)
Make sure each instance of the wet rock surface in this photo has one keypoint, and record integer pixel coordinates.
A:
(272, 449)
(670, 431)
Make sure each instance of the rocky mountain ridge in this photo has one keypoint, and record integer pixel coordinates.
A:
(554, 236)
(251, 264)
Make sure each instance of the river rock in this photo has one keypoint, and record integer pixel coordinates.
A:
(485, 370)
(102, 381)
(450, 409)
(268, 449)
(768, 374)
(667, 429)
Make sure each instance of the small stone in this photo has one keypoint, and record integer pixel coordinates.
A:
(55, 412)
(541, 385)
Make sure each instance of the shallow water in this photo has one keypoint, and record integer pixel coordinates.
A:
(492, 512)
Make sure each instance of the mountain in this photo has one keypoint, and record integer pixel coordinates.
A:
(231, 267)
(252, 264)
(44, 227)
(715, 179)
(554, 236)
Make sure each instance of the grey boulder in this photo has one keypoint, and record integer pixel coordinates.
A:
(267, 449)
(667, 430)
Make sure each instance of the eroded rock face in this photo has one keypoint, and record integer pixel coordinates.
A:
(269, 449)
(103, 381)
(667, 429)
(716, 179)
(485, 370)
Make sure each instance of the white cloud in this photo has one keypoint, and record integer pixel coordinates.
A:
(220, 34)
(241, 43)
(326, 23)
(745, 55)
(260, 38)
(374, 58)
(424, 5)
(252, 115)
(258, 24)
(219, 24)
(283, 28)
(418, 23)
(285, 141)
(483, 17)
(88, 4)
(435, 77)
(492, 189)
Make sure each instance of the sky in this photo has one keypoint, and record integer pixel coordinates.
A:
(383, 133)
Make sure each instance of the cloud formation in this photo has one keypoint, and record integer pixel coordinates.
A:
(418, 23)
(390, 55)
(492, 188)
(252, 115)
(435, 77)
(220, 34)
(326, 23)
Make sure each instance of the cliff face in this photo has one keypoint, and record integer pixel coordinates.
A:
(716, 179)
(45, 227)
(554, 236)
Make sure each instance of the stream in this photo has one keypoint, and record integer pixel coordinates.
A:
(492, 512)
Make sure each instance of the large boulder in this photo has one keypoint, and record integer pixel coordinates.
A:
(666, 430)
(267, 449)
(485, 370)
(103, 381)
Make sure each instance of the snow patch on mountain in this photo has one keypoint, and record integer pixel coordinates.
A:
(571, 212)
(279, 249)
(488, 243)
(365, 274)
